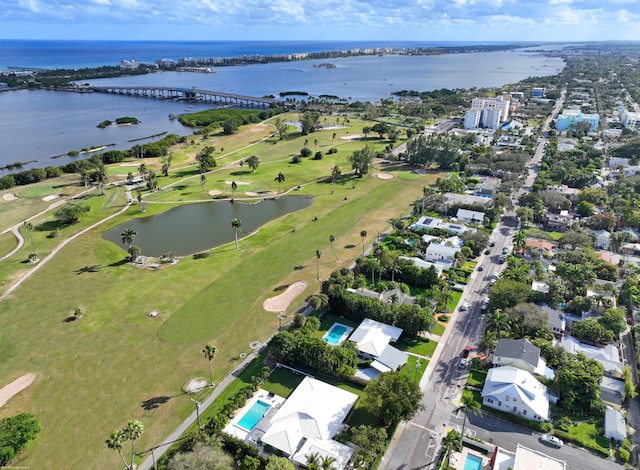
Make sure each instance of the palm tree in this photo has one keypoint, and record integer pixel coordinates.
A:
(520, 238)
(469, 404)
(335, 176)
(363, 235)
(280, 179)
(318, 255)
(128, 235)
(498, 321)
(234, 186)
(209, 353)
(331, 240)
(326, 462)
(132, 431)
(142, 169)
(115, 442)
(489, 340)
(333, 137)
(28, 226)
(203, 180)
(241, 165)
(313, 461)
(236, 224)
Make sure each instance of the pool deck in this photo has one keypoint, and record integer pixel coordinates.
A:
(458, 459)
(236, 431)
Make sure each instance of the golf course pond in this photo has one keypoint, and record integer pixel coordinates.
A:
(193, 228)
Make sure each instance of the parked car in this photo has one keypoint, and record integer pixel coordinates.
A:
(480, 268)
(462, 364)
(552, 441)
(466, 351)
(492, 244)
(484, 304)
(464, 307)
(487, 251)
(505, 251)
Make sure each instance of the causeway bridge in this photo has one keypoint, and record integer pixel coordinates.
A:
(191, 95)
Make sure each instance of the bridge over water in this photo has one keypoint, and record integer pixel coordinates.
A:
(192, 95)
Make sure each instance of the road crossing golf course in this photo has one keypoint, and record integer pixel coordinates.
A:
(118, 363)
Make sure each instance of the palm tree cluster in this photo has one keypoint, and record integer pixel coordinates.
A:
(116, 441)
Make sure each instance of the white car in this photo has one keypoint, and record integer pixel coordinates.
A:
(462, 364)
(464, 307)
(551, 440)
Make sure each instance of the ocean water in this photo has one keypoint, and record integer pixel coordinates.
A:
(36, 125)
(79, 54)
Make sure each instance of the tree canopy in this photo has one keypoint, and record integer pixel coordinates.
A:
(392, 397)
(15, 433)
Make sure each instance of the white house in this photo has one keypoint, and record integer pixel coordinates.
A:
(602, 238)
(519, 353)
(555, 319)
(612, 390)
(517, 392)
(436, 251)
(525, 459)
(372, 340)
(458, 229)
(614, 426)
(439, 266)
(608, 356)
(455, 198)
(470, 216)
(307, 421)
(427, 223)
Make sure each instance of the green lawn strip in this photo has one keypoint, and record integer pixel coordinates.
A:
(438, 329)
(476, 378)
(282, 382)
(587, 434)
(534, 232)
(7, 243)
(329, 319)
(455, 298)
(420, 346)
(411, 370)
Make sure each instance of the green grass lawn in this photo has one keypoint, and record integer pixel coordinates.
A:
(422, 347)
(282, 382)
(590, 435)
(438, 329)
(476, 378)
(329, 319)
(412, 371)
(117, 363)
(535, 232)
(453, 303)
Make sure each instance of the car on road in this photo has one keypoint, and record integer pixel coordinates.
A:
(484, 304)
(466, 351)
(492, 244)
(462, 364)
(552, 441)
(464, 307)
(480, 268)
(493, 279)
(487, 251)
(505, 251)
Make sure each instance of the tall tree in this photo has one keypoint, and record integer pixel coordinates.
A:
(361, 159)
(133, 430)
(498, 321)
(281, 128)
(128, 235)
(116, 442)
(392, 397)
(331, 240)
(28, 227)
(363, 236)
(236, 224)
(280, 179)
(335, 176)
(253, 162)
(234, 187)
(241, 167)
(469, 405)
(318, 255)
(209, 353)
(166, 164)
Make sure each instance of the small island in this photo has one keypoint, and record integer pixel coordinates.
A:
(104, 124)
(326, 65)
(127, 120)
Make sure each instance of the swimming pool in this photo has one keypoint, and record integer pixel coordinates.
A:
(337, 333)
(254, 415)
(473, 462)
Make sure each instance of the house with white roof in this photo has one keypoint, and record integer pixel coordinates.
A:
(602, 238)
(307, 422)
(451, 199)
(615, 427)
(468, 216)
(525, 459)
(555, 319)
(440, 266)
(517, 392)
(454, 241)
(437, 251)
(608, 356)
(427, 223)
(372, 340)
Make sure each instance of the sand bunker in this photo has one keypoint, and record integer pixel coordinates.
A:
(214, 192)
(384, 176)
(130, 164)
(279, 303)
(350, 137)
(51, 197)
(239, 183)
(195, 385)
(261, 193)
(9, 197)
(14, 387)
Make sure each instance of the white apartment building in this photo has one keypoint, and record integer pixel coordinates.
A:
(492, 111)
(630, 120)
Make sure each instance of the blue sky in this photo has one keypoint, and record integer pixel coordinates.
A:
(419, 20)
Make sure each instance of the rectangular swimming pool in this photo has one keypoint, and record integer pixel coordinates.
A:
(337, 333)
(473, 462)
(254, 415)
